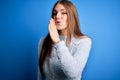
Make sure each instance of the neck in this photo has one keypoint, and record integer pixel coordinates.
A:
(63, 32)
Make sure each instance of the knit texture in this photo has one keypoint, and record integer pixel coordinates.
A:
(66, 63)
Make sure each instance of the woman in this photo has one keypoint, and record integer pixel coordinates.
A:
(63, 53)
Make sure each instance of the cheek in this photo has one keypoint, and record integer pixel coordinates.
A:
(65, 21)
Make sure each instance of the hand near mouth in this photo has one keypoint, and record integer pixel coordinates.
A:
(53, 31)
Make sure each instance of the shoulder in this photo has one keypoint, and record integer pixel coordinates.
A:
(82, 40)
(41, 40)
(85, 39)
(40, 43)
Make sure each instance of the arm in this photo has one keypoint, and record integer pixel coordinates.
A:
(73, 65)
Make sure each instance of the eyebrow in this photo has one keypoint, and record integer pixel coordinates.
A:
(60, 10)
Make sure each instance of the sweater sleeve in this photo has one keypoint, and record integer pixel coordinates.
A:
(73, 65)
(39, 50)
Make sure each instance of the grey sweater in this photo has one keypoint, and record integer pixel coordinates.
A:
(66, 63)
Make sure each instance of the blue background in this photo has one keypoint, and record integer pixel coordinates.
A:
(24, 22)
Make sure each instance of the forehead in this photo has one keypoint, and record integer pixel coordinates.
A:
(59, 7)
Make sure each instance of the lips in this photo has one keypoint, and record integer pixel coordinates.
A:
(57, 22)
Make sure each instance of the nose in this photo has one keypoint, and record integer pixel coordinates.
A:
(58, 15)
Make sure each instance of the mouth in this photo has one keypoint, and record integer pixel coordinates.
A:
(57, 22)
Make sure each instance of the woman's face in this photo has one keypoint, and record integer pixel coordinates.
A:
(60, 17)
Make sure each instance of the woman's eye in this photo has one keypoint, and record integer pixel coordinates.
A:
(64, 12)
(54, 13)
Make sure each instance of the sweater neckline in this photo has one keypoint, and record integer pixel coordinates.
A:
(62, 37)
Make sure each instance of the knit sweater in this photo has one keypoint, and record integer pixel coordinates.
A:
(66, 63)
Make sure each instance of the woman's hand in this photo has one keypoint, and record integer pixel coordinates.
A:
(53, 31)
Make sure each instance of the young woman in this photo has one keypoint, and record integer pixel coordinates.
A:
(63, 53)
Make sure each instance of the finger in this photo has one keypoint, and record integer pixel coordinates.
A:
(52, 26)
(49, 27)
(52, 21)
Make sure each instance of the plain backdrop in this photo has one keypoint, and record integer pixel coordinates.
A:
(24, 22)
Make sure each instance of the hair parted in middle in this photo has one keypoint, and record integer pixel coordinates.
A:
(73, 29)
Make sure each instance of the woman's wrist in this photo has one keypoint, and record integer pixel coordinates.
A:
(57, 41)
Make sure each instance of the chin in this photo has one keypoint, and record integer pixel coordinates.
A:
(60, 28)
